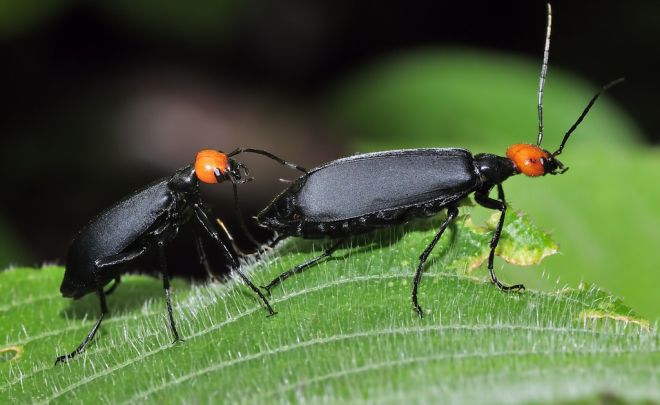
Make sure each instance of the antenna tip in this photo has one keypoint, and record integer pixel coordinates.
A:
(614, 83)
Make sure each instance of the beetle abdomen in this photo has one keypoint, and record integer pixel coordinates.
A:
(115, 229)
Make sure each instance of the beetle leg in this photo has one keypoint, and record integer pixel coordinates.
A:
(302, 267)
(114, 286)
(166, 287)
(500, 205)
(207, 225)
(90, 335)
(275, 241)
(203, 259)
(452, 212)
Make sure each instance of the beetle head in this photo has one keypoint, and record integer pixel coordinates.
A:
(213, 166)
(533, 161)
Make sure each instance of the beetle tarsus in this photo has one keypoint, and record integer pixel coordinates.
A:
(90, 335)
(418, 309)
(257, 291)
(267, 289)
(517, 287)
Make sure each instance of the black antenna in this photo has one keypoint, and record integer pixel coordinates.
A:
(544, 72)
(268, 155)
(584, 113)
(239, 215)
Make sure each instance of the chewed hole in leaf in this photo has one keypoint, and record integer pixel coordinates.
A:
(10, 353)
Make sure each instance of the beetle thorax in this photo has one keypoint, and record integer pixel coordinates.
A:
(184, 180)
(494, 169)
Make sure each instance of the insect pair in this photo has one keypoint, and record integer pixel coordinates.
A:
(337, 200)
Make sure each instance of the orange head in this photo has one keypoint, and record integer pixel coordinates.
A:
(533, 161)
(210, 165)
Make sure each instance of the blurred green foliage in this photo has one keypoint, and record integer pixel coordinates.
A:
(202, 23)
(17, 16)
(482, 99)
(604, 212)
(206, 22)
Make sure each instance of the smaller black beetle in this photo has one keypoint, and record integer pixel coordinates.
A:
(148, 220)
(368, 191)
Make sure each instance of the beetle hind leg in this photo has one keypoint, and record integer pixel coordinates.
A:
(452, 212)
(90, 335)
(302, 267)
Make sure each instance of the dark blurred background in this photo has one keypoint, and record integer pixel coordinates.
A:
(101, 98)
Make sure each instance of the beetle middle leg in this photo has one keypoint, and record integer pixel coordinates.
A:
(452, 212)
(302, 267)
(500, 205)
(166, 286)
(90, 335)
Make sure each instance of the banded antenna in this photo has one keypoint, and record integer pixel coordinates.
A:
(544, 72)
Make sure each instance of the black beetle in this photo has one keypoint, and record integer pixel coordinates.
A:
(363, 192)
(147, 221)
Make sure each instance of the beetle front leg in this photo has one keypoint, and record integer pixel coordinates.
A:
(207, 225)
(452, 212)
(90, 335)
(500, 205)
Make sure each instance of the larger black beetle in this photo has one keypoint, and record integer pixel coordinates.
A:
(363, 192)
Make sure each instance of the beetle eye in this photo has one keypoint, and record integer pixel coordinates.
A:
(209, 165)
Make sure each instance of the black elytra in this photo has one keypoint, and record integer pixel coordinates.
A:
(147, 221)
(364, 192)
(360, 193)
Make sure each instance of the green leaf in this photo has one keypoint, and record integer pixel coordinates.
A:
(345, 332)
(605, 211)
